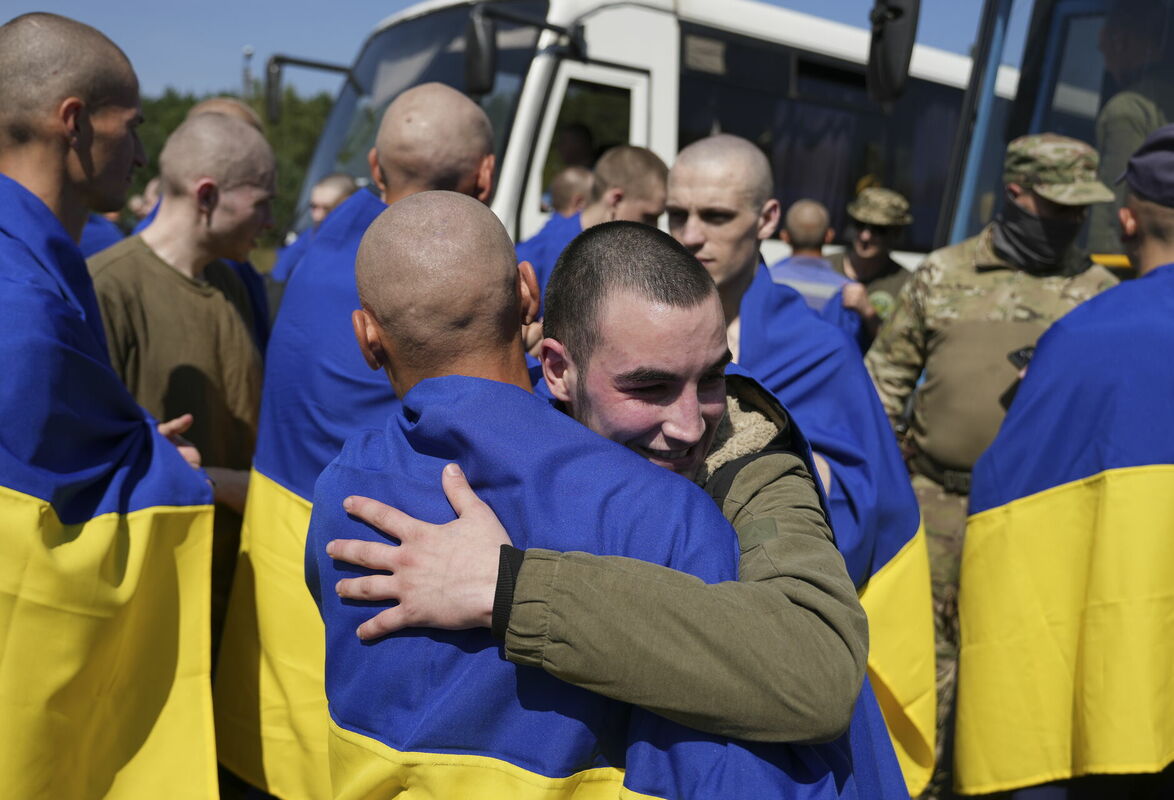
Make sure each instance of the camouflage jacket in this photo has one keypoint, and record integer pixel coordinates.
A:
(957, 319)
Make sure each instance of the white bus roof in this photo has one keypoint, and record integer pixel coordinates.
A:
(763, 21)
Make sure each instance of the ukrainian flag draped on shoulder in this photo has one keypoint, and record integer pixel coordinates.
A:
(106, 534)
(270, 707)
(817, 374)
(1067, 591)
(442, 713)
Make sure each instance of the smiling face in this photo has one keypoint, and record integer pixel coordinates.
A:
(712, 213)
(655, 381)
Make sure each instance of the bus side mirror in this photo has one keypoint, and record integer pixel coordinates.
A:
(894, 29)
(480, 52)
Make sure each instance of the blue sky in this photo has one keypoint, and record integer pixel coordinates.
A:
(198, 47)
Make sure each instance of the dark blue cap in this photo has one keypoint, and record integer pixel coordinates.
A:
(1150, 171)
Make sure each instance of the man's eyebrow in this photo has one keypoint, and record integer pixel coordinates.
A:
(645, 375)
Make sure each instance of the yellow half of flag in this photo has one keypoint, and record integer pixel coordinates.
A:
(271, 717)
(104, 649)
(1067, 623)
(898, 601)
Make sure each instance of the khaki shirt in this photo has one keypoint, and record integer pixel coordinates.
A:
(957, 319)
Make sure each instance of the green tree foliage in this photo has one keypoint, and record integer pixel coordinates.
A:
(293, 140)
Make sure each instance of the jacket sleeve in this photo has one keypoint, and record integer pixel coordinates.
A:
(777, 656)
(896, 358)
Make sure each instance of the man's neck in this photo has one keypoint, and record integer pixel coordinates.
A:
(507, 366)
(41, 169)
(593, 215)
(1150, 256)
(807, 252)
(731, 293)
(174, 236)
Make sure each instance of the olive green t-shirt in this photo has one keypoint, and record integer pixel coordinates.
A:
(183, 346)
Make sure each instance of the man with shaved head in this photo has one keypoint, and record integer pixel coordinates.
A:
(570, 191)
(271, 711)
(106, 531)
(326, 196)
(720, 206)
(254, 283)
(627, 184)
(178, 319)
(466, 395)
(807, 228)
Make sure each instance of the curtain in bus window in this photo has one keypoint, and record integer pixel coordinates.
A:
(927, 160)
(812, 154)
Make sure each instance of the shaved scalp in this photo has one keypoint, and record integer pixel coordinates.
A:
(230, 106)
(438, 272)
(46, 58)
(616, 257)
(339, 182)
(738, 160)
(807, 224)
(636, 170)
(216, 146)
(432, 137)
(568, 184)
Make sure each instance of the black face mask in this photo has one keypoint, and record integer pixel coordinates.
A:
(1032, 243)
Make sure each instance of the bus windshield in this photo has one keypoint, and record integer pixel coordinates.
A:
(427, 48)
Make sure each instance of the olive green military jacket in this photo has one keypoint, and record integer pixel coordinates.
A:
(958, 318)
(777, 656)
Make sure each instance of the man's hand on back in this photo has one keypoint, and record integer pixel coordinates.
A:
(442, 576)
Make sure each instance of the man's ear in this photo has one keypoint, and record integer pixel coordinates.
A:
(376, 172)
(367, 334)
(1128, 220)
(529, 294)
(558, 369)
(207, 196)
(611, 200)
(768, 219)
(785, 236)
(71, 113)
(485, 178)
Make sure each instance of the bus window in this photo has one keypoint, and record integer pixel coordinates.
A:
(593, 117)
(426, 48)
(812, 117)
(1138, 98)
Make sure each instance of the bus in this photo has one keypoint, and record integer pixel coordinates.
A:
(662, 74)
(1097, 70)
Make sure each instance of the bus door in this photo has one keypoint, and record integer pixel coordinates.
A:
(605, 101)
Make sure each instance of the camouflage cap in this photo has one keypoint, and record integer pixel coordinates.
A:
(1056, 168)
(876, 206)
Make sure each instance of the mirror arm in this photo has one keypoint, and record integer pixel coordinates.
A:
(273, 69)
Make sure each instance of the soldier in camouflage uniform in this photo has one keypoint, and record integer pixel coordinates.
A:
(879, 216)
(959, 316)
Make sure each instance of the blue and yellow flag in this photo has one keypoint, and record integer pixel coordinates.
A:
(271, 715)
(1067, 587)
(107, 539)
(817, 374)
(442, 712)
